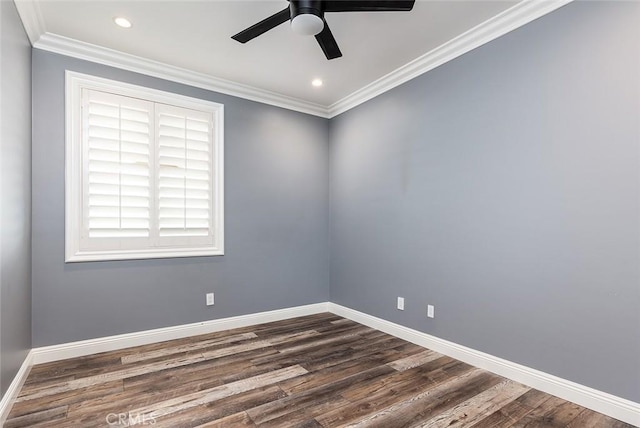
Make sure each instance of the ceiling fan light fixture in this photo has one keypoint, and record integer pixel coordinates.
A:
(307, 24)
(307, 17)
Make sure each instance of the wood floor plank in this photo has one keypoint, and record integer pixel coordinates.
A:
(328, 375)
(274, 410)
(126, 372)
(554, 412)
(400, 382)
(314, 371)
(70, 367)
(317, 343)
(197, 372)
(44, 382)
(232, 421)
(207, 396)
(304, 413)
(414, 360)
(148, 393)
(590, 419)
(135, 399)
(352, 350)
(514, 411)
(379, 340)
(338, 355)
(297, 324)
(372, 397)
(68, 398)
(305, 417)
(343, 321)
(170, 350)
(204, 414)
(304, 358)
(89, 417)
(342, 354)
(472, 410)
(429, 402)
(32, 419)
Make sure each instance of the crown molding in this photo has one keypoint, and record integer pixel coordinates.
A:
(87, 51)
(33, 22)
(516, 16)
(31, 17)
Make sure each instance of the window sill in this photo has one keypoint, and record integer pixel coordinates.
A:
(99, 256)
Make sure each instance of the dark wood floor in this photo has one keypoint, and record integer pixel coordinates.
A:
(315, 371)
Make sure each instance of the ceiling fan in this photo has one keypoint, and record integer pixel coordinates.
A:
(307, 18)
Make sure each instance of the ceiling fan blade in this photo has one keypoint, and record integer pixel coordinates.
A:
(368, 5)
(328, 43)
(263, 26)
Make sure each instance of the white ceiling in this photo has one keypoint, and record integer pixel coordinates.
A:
(196, 35)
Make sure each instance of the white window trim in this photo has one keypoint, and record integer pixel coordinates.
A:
(75, 83)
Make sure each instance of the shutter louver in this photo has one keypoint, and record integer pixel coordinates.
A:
(118, 168)
(184, 173)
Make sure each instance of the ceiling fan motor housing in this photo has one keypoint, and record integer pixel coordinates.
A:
(306, 16)
(299, 7)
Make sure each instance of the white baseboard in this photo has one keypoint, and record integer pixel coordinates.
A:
(63, 351)
(14, 388)
(608, 404)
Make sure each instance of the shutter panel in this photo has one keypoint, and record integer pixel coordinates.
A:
(184, 172)
(144, 173)
(118, 155)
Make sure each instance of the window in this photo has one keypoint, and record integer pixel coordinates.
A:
(144, 173)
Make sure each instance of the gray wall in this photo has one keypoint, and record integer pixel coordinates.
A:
(503, 188)
(276, 231)
(15, 194)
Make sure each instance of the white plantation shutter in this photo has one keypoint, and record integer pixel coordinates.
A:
(144, 173)
(118, 151)
(184, 174)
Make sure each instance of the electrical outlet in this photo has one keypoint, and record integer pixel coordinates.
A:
(210, 300)
(401, 303)
(431, 311)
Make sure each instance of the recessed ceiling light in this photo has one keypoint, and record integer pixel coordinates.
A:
(316, 82)
(122, 22)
